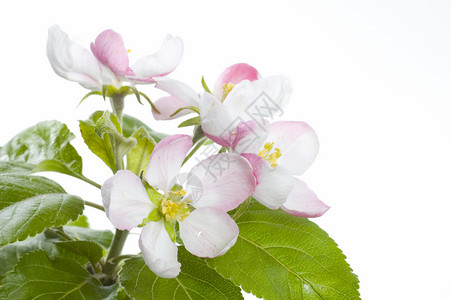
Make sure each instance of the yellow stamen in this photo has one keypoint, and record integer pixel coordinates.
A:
(266, 154)
(226, 89)
(174, 210)
(129, 50)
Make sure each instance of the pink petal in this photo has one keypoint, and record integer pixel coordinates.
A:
(179, 90)
(250, 137)
(302, 202)
(110, 50)
(298, 144)
(125, 200)
(166, 159)
(235, 74)
(73, 62)
(217, 123)
(226, 181)
(273, 185)
(169, 105)
(162, 62)
(159, 252)
(208, 232)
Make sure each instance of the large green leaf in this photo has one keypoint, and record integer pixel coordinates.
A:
(31, 204)
(103, 137)
(15, 167)
(196, 281)
(138, 158)
(89, 249)
(36, 276)
(11, 253)
(48, 140)
(279, 256)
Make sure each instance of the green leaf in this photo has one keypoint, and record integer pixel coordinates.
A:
(82, 221)
(279, 256)
(138, 158)
(190, 122)
(31, 204)
(15, 167)
(48, 140)
(103, 137)
(11, 253)
(204, 84)
(131, 124)
(89, 249)
(37, 276)
(102, 237)
(195, 281)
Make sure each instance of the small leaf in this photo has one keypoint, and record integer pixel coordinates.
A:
(138, 158)
(190, 122)
(82, 221)
(48, 140)
(131, 124)
(31, 204)
(204, 84)
(36, 276)
(279, 256)
(104, 139)
(102, 237)
(90, 94)
(89, 249)
(193, 108)
(195, 281)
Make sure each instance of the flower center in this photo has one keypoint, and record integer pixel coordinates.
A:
(269, 156)
(173, 207)
(226, 89)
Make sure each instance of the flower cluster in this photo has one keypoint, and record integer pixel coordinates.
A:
(257, 158)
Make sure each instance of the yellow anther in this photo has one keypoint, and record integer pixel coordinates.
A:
(129, 50)
(174, 210)
(226, 89)
(266, 154)
(181, 192)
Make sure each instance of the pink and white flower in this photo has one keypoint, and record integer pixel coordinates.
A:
(107, 63)
(287, 151)
(181, 95)
(205, 227)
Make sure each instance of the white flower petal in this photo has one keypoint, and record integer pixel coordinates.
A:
(159, 252)
(226, 181)
(298, 144)
(125, 200)
(208, 232)
(162, 62)
(178, 89)
(217, 123)
(273, 186)
(303, 202)
(166, 159)
(72, 61)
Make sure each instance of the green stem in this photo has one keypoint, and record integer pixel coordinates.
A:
(61, 233)
(117, 104)
(198, 145)
(85, 179)
(92, 204)
(111, 263)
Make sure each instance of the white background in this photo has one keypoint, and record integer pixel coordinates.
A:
(373, 78)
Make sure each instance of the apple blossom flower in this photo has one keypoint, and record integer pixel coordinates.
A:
(289, 148)
(181, 95)
(204, 225)
(107, 63)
